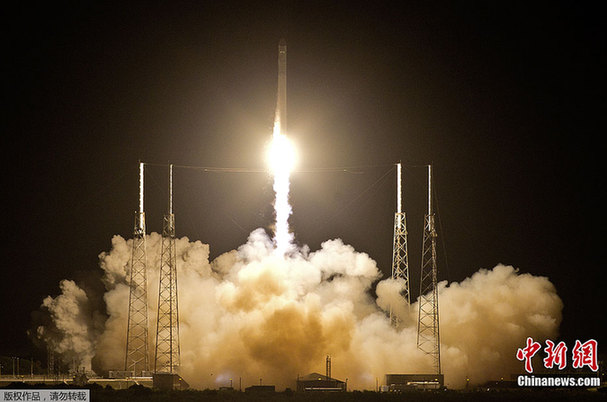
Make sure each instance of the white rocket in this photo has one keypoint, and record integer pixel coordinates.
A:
(280, 118)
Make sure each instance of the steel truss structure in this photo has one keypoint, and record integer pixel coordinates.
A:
(167, 353)
(428, 336)
(400, 254)
(136, 359)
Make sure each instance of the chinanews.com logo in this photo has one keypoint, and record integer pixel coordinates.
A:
(583, 355)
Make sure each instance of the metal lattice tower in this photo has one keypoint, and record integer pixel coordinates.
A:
(166, 357)
(51, 360)
(137, 328)
(428, 337)
(400, 254)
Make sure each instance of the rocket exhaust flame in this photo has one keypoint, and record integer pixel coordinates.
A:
(281, 154)
(281, 157)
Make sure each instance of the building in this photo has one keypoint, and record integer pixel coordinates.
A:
(260, 389)
(407, 382)
(169, 381)
(315, 382)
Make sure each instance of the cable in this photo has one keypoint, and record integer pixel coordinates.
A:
(372, 185)
(216, 169)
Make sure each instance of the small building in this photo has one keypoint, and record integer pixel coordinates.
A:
(409, 382)
(260, 389)
(315, 382)
(169, 381)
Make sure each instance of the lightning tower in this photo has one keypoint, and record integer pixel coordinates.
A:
(428, 338)
(166, 356)
(136, 359)
(400, 255)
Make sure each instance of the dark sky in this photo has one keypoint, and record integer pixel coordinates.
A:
(505, 99)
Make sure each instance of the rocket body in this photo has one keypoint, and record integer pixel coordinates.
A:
(281, 99)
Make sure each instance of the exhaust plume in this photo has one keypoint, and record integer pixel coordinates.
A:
(281, 159)
(253, 314)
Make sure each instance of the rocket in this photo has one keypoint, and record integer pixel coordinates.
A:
(281, 99)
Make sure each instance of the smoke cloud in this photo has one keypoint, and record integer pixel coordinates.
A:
(255, 315)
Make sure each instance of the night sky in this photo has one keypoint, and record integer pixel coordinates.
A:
(506, 100)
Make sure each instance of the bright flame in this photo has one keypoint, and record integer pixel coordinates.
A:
(281, 159)
(281, 153)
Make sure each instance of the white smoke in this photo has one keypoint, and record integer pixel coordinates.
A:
(485, 318)
(254, 315)
(75, 326)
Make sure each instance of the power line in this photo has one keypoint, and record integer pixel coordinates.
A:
(219, 169)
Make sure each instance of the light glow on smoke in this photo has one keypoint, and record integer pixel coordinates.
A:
(281, 159)
(250, 314)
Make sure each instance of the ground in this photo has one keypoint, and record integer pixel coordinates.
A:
(140, 393)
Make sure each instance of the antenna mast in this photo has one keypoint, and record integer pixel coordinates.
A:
(428, 337)
(167, 354)
(400, 255)
(136, 359)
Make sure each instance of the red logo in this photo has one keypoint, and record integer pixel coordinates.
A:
(583, 354)
(527, 353)
(555, 355)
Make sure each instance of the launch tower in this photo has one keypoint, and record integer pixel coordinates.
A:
(400, 256)
(166, 356)
(136, 359)
(428, 338)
